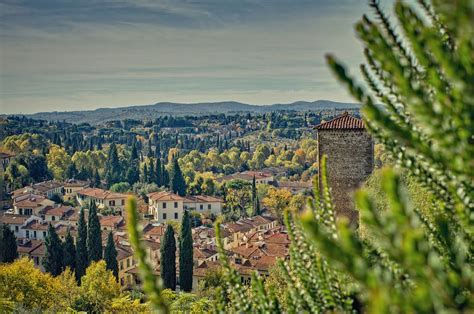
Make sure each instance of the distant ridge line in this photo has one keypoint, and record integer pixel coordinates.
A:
(147, 112)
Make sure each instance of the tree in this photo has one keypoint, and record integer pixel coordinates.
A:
(255, 200)
(38, 168)
(158, 172)
(419, 107)
(186, 254)
(133, 172)
(82, 257)
(277, 200)
(110, 255)
(98, 288)
(58, 161)
(120, 187)
(53, 257)
(8, 248)
(69, 252)
(177, 182)
(96, 183)
(94, 235)
(113, 169)
(24, 285)
(168, 259)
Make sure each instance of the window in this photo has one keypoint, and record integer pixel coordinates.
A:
(175, 204)
(28, 234)
(128, 262)
(175, 215)
(201, 207)
(34, 234)
(121, 265)
(53, 218)
(123, 202)
(164, 216)
(164, 204)
(44, 234)
(16, 229)
(111, 203)
(208, 206)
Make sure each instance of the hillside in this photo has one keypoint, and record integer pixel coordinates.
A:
(147, 112)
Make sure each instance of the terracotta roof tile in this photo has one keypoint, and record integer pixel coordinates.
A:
(342, 122)
(165, 196)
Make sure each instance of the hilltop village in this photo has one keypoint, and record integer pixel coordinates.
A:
(245, 173)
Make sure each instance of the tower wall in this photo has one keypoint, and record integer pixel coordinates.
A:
(350, 160)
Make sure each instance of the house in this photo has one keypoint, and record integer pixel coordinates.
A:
(46, 188)
(154, 231)
(30, 204)
(204, 203)
(72, 186)
(15, 222)
(165, 206)
(125, 262)
(201, 254)
(295, 187)
(102, 198)
(5, 159)
(35, 229)
(111, 223)
(260, 177)
(62, 229)
(33, 249)
(51, 213)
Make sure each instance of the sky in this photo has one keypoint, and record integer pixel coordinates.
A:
(63, 55)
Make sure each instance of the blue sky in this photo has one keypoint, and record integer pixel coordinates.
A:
(86, 54)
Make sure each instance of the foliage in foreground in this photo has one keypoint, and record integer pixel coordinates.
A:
(420, 260)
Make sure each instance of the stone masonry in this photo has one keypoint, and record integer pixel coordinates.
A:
(350, 160)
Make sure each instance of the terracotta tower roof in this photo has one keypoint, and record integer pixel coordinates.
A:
(342, 122)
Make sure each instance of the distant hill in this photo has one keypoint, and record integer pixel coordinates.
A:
(148, 112)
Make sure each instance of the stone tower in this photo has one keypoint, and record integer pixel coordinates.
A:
(350, 160)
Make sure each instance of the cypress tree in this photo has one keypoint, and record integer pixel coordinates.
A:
(8, 248)
(158, 172)
(53, 258)
(82, 260)
(133, 172)
(168, 259)
(177, 183)
(96, 182)
(145, 173)
(69, 251)
(165, 179)
(254, 197)
(134, 152)
(186, 254)
(113, 171)
(110, 255)
(94, 238)
(151, 174)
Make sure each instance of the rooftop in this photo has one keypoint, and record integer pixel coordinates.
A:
(100, 194)
(342, 122)
(165, 196)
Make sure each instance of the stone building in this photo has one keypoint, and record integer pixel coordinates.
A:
(350, 159)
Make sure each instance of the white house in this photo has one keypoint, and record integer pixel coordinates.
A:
(102, 198)
(30, 204)
(165, 206)
(72, 186)
(204, 203)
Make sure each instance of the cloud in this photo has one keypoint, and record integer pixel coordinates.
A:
(92, 53)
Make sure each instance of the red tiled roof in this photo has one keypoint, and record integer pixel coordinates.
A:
(101, 194)
(342, 122)
(165, 196)
(203, 199)
(11, 219)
